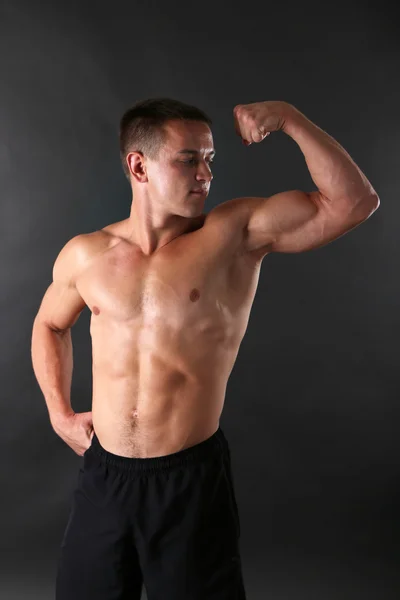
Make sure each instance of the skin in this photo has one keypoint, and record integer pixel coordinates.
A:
(170, 303)
(170, 288)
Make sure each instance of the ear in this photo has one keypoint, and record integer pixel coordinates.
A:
(137, 166)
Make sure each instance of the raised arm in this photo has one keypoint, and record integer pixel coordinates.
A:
(295, 221)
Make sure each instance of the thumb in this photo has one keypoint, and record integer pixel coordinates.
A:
(88, 423)
(87, 417)
(236, 122)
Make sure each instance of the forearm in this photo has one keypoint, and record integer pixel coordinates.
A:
(332, 169)
(52, 364)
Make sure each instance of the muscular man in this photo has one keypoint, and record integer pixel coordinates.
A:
(170, 291)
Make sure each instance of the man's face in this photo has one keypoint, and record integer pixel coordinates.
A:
(184, 164)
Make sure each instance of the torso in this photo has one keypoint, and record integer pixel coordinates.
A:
(165, 330)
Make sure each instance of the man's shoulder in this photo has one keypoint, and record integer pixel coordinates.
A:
(235, 208)
(88, 243)
(85, 246)
(101, 238)
(113, 230)
(231, 214)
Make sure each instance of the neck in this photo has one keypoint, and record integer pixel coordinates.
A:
(150, 230)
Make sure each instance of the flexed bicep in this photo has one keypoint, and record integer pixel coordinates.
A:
(296, 221)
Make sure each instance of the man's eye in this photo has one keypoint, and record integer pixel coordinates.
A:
(192, 160)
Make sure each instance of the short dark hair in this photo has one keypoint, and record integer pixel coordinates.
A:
(141, 126)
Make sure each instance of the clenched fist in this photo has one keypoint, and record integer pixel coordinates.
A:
(76, 430)
(253, 122)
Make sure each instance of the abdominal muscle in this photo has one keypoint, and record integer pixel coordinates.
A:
(156, 400)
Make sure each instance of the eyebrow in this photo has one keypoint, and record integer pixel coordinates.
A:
(189, 151)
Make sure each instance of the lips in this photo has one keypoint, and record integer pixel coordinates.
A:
(201, 191)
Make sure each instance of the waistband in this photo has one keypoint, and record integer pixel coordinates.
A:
(207, 448)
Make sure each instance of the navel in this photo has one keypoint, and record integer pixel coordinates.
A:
(194, 294)
(96, 310)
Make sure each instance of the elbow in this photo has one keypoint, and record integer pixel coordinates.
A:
(366, 207)
(373, 199)
(373, 203)
(39, 322)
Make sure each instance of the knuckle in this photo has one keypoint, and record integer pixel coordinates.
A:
(240, 111)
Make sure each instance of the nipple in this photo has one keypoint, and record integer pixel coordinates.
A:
(194, 295)
(96, 310)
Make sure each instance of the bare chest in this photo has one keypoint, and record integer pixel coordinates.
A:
(185, 284)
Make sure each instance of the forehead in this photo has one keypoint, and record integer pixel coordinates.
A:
(189, 134)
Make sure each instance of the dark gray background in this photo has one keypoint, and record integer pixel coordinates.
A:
(312, 408)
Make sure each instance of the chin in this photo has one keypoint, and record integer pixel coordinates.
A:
(193, 204)
(197, 208)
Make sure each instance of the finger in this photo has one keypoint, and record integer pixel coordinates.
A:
(259, 134)
(239, 129)
(236, 125)
(245, 134)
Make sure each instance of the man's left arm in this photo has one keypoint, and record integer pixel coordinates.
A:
(295, 221)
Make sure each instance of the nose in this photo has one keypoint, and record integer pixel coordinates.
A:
(204, 172)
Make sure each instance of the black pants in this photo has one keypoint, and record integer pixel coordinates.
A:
(170, 522)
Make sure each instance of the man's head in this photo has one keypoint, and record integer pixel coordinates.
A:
(153, 135)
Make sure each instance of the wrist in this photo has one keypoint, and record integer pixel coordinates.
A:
(294, 120)
(57, 418)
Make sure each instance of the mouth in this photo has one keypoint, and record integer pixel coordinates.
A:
(199, 192)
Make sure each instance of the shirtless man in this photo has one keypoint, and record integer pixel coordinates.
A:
(170, 290)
